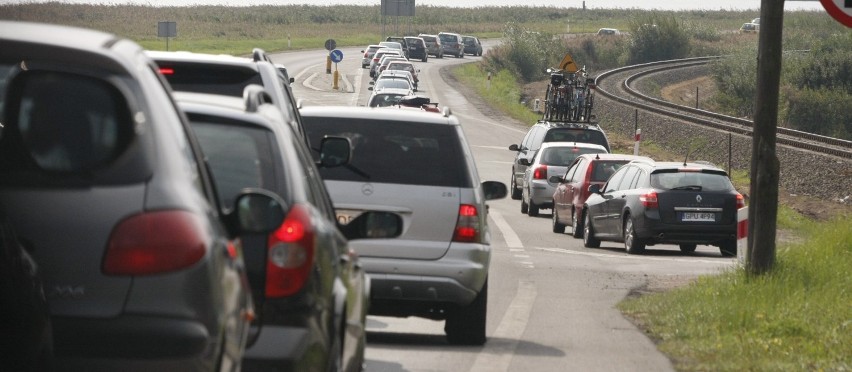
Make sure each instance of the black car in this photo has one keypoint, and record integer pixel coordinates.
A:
(417, 48)
(472, 45)
(401, 40)
(550, 131)
(647, 203)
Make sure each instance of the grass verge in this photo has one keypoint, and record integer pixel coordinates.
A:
(798, 317)
(503, 93)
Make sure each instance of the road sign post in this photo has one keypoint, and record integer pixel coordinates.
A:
(335, 56)
(167, 29)
(330, 44)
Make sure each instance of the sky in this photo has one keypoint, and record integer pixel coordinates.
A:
(592, 4)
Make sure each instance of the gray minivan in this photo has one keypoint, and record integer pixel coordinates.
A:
(452, 44)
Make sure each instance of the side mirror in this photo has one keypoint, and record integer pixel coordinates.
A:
(372, 225)
(514, 147)
(335, 151)
(256, 211)
(370, 88)
(494, 190)
(595, 189)
(555, 179)
(524, 161)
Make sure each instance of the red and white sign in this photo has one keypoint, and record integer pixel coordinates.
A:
(742, 235)
(841, 10)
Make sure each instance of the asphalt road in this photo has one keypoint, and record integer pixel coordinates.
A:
(551, 304)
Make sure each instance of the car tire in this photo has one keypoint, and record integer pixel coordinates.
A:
(728, 248)
(516, 192)
(632, 244)
(589, 240)
(524, 206)
(425, 59)
(532, 209)
(466, 325)
(688, 248)
(558, 227)
(577, 224)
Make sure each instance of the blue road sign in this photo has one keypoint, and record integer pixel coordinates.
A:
(336, 55)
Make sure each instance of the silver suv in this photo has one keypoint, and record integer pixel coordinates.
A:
(438, 267)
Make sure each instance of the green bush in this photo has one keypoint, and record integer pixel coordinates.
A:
(657, 38)
(822, 111)
(736, 78)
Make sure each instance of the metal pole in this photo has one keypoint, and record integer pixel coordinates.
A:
(730, 151)
(696, 97)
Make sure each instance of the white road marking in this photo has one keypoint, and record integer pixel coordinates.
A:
(500, 348)
(632, 257)
(512, 239)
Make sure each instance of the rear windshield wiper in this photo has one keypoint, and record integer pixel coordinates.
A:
(690, 187)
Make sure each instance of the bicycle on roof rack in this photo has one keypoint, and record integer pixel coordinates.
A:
(569, 96)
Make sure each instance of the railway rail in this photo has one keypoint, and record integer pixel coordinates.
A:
(617, 84)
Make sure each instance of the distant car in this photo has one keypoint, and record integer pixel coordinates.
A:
(102, 177)
(405, 66)
(438, 267)
(433, 45)
(386, 60)
(385, 98)
(416, 48)
(756, 21)
(401, 85)
(452, 44)
(608, 31)
(377, 57)
(281, 265)
(395, 74)
(647, 203)
(472, 45)
(552, 159)
(572, 187)
(750, 28)
(396, 42)
(549, 131)
(368, 54)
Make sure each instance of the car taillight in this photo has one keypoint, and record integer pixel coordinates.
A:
(740, 201)
(290, 254)
(167, 71)
(155, 242)
(649, 200)
(467, 227)
(540, 173)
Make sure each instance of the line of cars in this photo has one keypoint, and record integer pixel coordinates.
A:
(171, 212)
(568, 168)
(179, 211)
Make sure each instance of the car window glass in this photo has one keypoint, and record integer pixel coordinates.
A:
(629, 175)
(72, 123)
(535, 142)
(706, 181)
(615, 180)
(564, 156)
(639, 180)
(209, 78)
(528, 137)
(570, 174)
(238, 156)
(576, 135)
(390, 152)
(602, 170)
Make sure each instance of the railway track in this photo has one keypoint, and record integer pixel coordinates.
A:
(618, 84)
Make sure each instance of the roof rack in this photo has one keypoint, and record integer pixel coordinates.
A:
(254, 95)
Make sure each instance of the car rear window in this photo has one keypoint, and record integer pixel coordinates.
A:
(690, 180)
(209, 78)
(564, 156)
(576, 135)
(238, 156)
(387, 151)
(602, 170)
(448, 38)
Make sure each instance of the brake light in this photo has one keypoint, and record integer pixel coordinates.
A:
(649, 200)
(290, 254)
(540, 173)
(167, 71)
(155, 242)
(467, 227)
(740, 201)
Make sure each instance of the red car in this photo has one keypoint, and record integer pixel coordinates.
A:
(573, 188)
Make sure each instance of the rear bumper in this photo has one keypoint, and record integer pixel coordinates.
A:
(455, 278)
(280, 348)
(656, 232)
(541, 194)
(133, 342)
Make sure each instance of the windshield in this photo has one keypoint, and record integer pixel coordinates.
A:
(703, 181)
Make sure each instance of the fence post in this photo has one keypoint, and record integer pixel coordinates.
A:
(742, 235)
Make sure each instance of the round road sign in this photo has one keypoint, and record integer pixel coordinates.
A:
(330, 44)
(336, 55)
(841, 10)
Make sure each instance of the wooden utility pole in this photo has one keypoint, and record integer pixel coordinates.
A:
(765, 168)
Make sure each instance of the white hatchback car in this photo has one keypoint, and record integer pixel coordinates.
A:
(552, 159)
(438, 267)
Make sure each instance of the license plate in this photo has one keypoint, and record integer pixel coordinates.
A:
(345, 216)
(698, 216)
